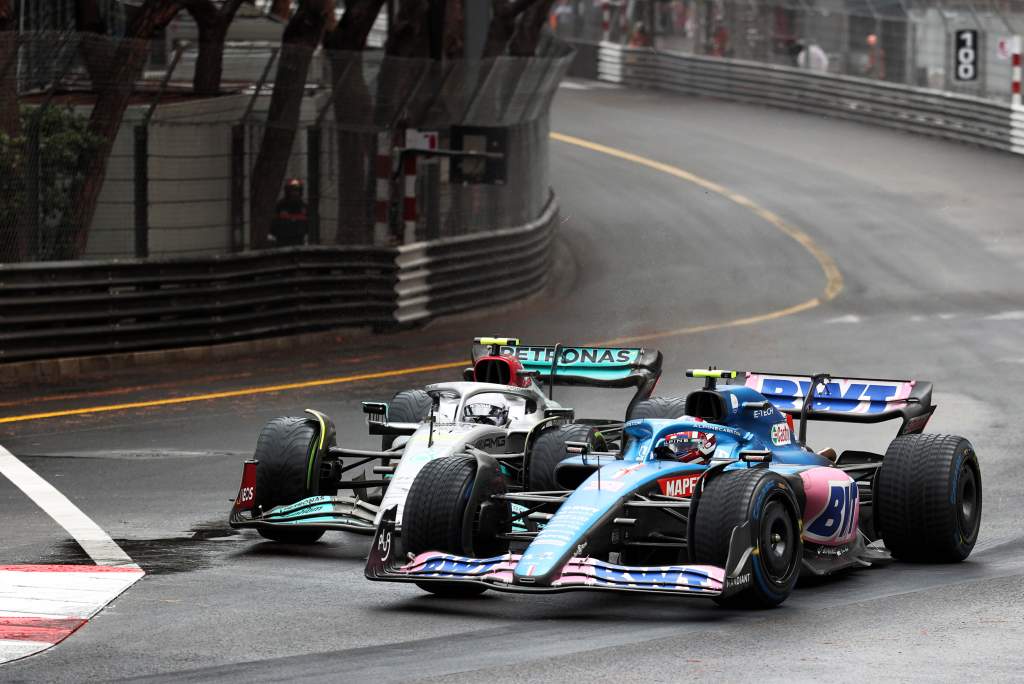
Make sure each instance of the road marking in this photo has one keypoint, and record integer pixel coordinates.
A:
(41, 605)
(90, 536)
(848, 318)
(833, 278)
(833, 285)
(234, 393)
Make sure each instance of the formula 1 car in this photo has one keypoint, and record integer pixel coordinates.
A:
(714, 498)
(289, 490)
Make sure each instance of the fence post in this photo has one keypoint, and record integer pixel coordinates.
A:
(34, 246)
(141, 191)
(237, 237)
(313, 182)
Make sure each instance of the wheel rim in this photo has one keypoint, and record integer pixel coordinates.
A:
(967, 503)
(777, 542)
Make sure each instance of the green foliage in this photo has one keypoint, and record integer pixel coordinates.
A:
(64, 146)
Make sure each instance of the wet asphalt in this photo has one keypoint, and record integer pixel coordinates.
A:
(927, 236)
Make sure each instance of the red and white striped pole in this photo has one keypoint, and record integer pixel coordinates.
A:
(606, 19)
(409, 199)
(382, 173)
(1015, 74)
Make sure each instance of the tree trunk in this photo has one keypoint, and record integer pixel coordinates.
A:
(113, 72)
(454, 30)
(503, 25)
(213, 27)
(210, 62)
(300, 39)
(353, 116)
(9, 121)
(527, 36)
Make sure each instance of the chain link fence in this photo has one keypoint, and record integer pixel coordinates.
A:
(182, 174)
(963, 46)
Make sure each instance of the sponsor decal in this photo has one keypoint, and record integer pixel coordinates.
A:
(590, 356)
(680, 485)
(832, 551)
(841, 395)
(737, 581)
(247, 491)
(916, 424)
(605, 484)
(836, 520)
(622, 472)
(735, 402)
(781, 435)
(764, 413)
(384, 545)
(488, 443)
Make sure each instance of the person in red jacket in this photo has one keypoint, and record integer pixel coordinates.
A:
(291, 217)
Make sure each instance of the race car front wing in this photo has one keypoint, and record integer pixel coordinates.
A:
(387, 563)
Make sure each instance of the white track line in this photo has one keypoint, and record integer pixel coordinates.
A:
(40, 605)
(90, 536)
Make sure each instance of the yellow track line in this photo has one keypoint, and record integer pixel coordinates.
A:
(833, 285)
(235, 393)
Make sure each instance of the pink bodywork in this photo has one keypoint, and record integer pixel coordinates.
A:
(832, 508)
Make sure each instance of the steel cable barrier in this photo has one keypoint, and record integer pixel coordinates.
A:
(951, 116)
(78, 308)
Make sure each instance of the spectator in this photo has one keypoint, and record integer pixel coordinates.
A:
(291, 217)
(640, 37)
(875, 67)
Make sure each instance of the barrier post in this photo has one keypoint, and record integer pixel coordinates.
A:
(237, 237)
(141, 154)
(313, 183)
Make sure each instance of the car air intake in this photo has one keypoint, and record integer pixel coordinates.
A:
(497, 371)
(707, 405)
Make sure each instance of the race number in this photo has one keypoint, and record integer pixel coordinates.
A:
(965, 58)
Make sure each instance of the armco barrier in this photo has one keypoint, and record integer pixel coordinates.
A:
(466, 272)
(919, 110)
(63, 309)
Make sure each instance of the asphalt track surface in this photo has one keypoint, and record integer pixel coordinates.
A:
(927, 237)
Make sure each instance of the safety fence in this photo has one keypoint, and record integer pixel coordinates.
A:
(961, 46)
(951, 116)
(63, 309)
(99, 160)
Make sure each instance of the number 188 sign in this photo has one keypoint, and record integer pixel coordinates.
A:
(965, 59)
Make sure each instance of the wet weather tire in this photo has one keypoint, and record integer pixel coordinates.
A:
(659, 407)
(408, 406)
(285, 475)
(548, 451)
(434, 512)
(928, 498)
(766, 500)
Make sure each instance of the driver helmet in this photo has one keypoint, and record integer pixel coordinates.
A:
(494, 411)
(690, 446)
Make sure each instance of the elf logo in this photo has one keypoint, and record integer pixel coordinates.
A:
(680, 485)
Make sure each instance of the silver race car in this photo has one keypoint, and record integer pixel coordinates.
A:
(299, 483)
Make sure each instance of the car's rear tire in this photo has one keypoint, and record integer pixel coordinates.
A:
(928, 498)
(288, 470)
(408, 406)
(766, 500)
(658, 407)
(548, 451)
(434, 513)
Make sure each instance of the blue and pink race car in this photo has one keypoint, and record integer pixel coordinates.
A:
(715, 494)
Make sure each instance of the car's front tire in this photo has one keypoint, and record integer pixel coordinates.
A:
(766, 500)
(288, 470)
(434, 514)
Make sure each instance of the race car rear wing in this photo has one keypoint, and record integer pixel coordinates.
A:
(852, 400)
(610, 367)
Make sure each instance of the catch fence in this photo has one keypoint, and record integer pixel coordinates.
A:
(960, 46)
(182, 174)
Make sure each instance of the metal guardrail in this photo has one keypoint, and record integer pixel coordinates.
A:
(937, 113)
(62, 309)
(456, 274)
